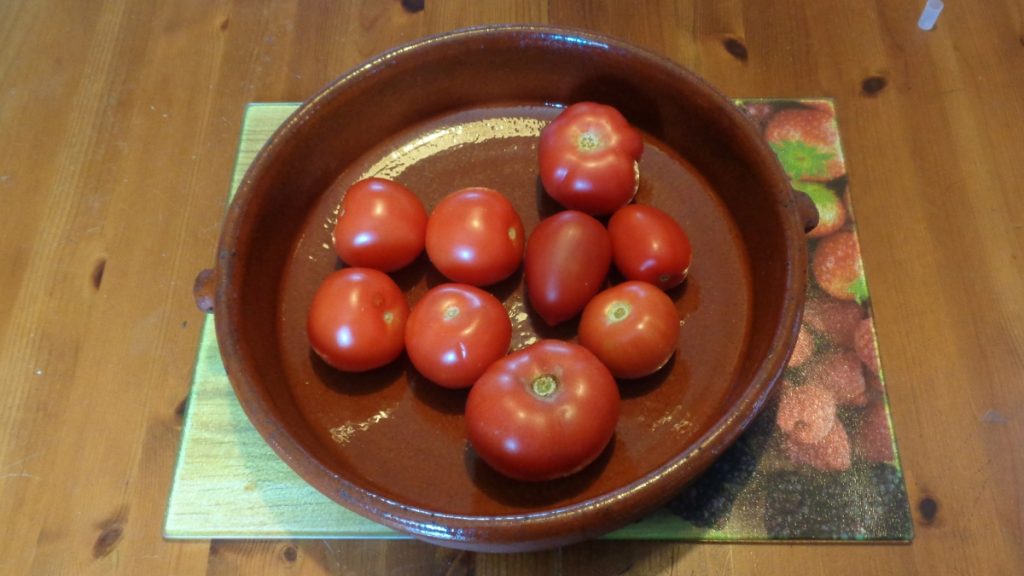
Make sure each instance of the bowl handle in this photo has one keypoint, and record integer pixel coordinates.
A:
(807, 210)
(205, 289)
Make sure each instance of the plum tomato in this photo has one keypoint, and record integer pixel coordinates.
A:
(357, 319)
(543, 412)
(589, 158)
(454, 332)
(474, 236)
(649, 245)
(567, 259)
(632, 327)
(381, 225)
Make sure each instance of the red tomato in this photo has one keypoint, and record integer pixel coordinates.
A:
(588, 158)
(474, 236)
(633, 328)
(455, 332)
(543, 412)
(381, 225)
(357, 319)
(567, 260)
(649, 245)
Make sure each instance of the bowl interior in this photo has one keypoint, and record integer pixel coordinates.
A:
(466, 110)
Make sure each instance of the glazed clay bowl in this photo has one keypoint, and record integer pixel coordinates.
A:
(465, 109)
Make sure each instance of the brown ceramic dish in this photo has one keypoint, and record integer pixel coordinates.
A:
(464, 109)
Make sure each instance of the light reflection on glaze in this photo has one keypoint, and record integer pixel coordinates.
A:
(679, 423)
(343, 434)
(441, 140)
(522, 332)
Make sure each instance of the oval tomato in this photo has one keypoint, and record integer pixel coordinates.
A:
(633, 328)
(381, 225)
(567, 260)
(454, 332)
(357, 319)
(588, 158)
(649, 245)
(474, 236)
(543, 412)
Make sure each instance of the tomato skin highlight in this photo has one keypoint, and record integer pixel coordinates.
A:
(381, 225)
(474, 236)
(454, 332)
(633, 328)
(649, 245)
(543, 412)
(357, 320)
(589, 158)
(567, 260)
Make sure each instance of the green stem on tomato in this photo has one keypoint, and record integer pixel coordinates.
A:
(544, 385)
(618, 311)
(589, 141)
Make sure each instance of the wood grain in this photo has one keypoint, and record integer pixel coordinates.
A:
(117, 135)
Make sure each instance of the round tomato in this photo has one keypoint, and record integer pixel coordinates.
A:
(589, 158)
(474, 236)
(543, 412)
(567, 260)
(633, 328)
(455, 332)
(381, 225)
(649, 245)
(357, 319)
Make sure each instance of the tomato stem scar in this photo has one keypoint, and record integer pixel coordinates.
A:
(388, 317)
(544, 385)
(451, 312)
(589, 141)
(618, 311)
(512, 233)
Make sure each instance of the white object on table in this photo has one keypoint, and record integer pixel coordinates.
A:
(930, 14)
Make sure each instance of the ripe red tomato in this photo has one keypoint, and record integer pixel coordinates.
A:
(543, 412)
(454, 332)
(381, 225)
(588, 158)
(649, 245)
(357, 319)
(474, 236)
(633, 328)
(567, 260)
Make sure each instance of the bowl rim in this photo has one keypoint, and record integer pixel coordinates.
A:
(491, 532)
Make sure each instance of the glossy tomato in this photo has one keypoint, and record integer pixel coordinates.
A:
(543, 412)
(357, 319)
(474, 236)
(381, 225)
(632, 327)
(589, 158)
(649, 245)
(567, 259)
(454, 332)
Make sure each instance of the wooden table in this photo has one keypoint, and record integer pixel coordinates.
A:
(118, 128)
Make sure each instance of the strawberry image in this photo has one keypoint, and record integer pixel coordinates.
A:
(806, 413)
(831, 453)
(803, 349)
(865, 346)
(758, 111)
(874, 382)
(840, 373)
(806, 141)
(834, 319)
(837, 267)
(874, 438)
(831, 210)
